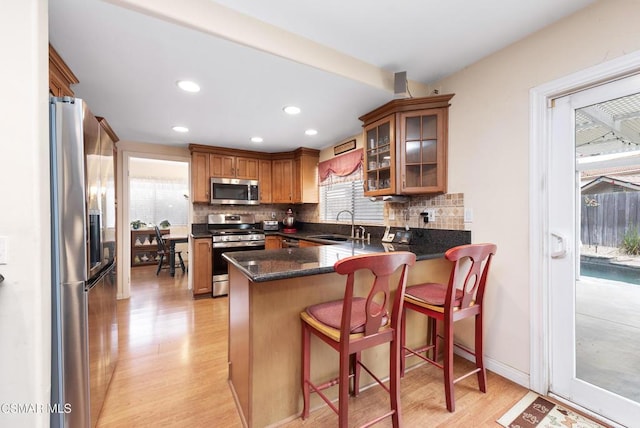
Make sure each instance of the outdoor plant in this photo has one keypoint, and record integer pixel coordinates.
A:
(631, 241)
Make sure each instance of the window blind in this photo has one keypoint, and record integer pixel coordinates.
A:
(349, 195)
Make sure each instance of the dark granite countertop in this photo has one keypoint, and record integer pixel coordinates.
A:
(270, 265)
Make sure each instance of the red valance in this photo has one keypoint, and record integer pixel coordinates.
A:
(340, 165)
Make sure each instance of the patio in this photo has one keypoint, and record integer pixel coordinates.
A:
(608, 332)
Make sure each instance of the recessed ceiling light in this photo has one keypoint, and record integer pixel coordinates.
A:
(256, 139)
(291, 109)
(188, 85)
(311, 132)
(182, 129)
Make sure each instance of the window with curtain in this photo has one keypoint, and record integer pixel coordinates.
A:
(341, 188)
(153, 200)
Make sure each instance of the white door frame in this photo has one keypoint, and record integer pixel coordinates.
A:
(540, 98)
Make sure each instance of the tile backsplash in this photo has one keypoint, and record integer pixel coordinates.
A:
(261, 212)
(449, 210)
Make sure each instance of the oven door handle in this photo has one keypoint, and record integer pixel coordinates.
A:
(238, 244)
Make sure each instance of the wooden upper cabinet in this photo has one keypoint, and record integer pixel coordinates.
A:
(305, 179)
(380, 176)
(423, 151)
(234, 167)
(222, 165)
(406, 146)
(247, 168)
(60, 76)
(264, 178)
(282, 181)
(200, 177)
(284, 178)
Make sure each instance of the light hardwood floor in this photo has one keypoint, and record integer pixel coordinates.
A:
(172, 371)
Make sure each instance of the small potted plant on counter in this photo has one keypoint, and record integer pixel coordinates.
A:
(137, 224)
(164, 224)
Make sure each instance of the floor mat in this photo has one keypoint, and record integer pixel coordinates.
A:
(536, 411)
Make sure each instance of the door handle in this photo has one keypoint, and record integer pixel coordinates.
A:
(558, 246)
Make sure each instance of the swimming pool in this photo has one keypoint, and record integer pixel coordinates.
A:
(599, 267)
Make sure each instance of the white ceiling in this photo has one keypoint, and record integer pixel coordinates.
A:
(128, 61)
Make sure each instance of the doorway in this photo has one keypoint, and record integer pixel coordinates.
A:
(581, 337)
(155, 192)
(595, 333)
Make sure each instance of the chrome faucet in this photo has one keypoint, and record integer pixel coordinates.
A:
(352, 221)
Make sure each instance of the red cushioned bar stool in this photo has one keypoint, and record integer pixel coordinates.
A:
(356, 323)
(444, 304)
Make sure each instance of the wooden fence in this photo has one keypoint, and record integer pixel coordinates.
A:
(607, 216)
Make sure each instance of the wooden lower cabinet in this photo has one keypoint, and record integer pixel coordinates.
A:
(272, 242)
(202, 274)
(303, 243)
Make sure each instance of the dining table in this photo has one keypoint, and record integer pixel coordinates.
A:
(171, 240)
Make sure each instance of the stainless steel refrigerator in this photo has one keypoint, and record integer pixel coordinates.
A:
(84, 320)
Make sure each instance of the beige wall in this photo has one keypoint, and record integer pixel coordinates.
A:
(489, 151)
(24, 213)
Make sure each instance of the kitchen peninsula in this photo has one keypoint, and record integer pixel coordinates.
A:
(269, 289)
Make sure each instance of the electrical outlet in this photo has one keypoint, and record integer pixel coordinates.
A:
(468, 215)
(392, 214)
(429, 215)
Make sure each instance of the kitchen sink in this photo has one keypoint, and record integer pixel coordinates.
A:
(331, 237)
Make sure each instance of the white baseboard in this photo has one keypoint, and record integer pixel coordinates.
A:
(499, 368)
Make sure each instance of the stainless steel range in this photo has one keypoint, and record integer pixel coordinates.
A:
(231, 232)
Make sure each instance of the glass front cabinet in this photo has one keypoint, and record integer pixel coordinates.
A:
(406, 147)
(380, 140)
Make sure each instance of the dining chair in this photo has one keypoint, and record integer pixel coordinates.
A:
(353, 324)
(163, 252)
(444, 304)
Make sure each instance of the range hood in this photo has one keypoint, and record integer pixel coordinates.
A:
(400, 199)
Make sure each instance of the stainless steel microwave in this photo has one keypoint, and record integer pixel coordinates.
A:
(234, 191)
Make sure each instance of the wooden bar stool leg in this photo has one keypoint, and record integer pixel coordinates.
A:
(394, 382)
(343, 391)
(403, 339)
(306, 369)
(433, 323)
(482, 374)
(355, 370)
(448, 364)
